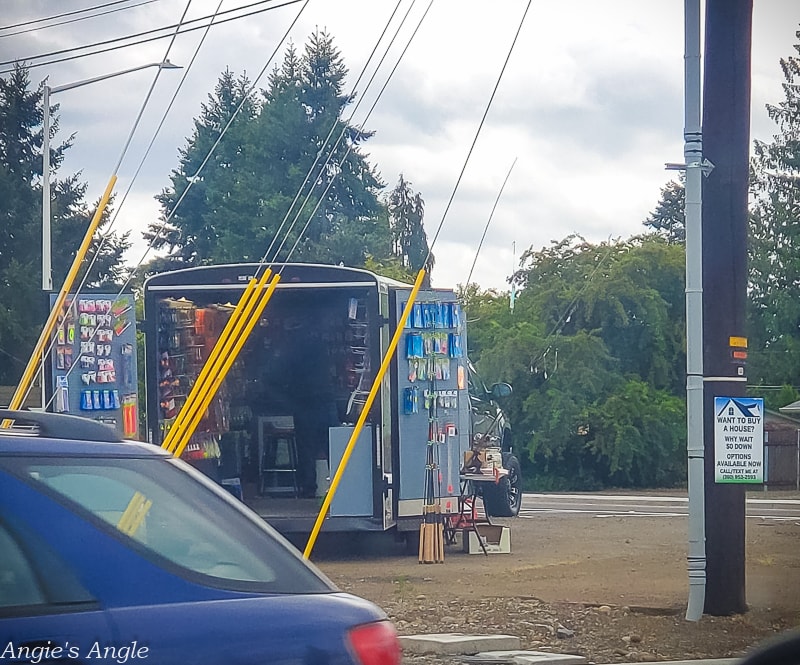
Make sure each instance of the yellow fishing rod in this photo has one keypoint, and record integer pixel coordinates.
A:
(224, 344)
(139, 505)
(219, 376)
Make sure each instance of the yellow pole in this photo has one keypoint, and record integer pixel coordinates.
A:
(210, 362)
(200, 403)
(224, 343)
(47, 331)
(312, 539)
(220, 376)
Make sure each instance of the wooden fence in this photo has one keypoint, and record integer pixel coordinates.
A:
(782, 459)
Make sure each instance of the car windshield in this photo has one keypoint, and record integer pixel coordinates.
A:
(173, 517)
(477, 388)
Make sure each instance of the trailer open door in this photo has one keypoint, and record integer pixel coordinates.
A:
(431, 404)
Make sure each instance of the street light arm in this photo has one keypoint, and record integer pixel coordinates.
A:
(47, 277)
(166, 64)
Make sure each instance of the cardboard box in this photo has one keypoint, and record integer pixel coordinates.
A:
(490, 458)
(497, 539)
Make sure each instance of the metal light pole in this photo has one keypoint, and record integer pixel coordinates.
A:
(47, 271)
(694, 169)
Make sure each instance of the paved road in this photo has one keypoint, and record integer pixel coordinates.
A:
(622, 505)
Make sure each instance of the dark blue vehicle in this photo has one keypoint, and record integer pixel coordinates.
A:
(114, 551)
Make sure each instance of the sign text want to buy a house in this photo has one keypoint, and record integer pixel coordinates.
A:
(738, 440)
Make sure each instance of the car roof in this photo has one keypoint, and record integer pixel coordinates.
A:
(39, 433)
(26, 444)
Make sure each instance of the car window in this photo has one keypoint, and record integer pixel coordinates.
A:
(18, 584)
(171, 514)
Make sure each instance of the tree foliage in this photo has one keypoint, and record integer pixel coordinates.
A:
(669, 217)
(595, 346)
(287, 178)
(22, 304)
(406, 214)
(774, 241)
(595, 351)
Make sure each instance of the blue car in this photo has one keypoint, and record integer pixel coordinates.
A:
(113, 551)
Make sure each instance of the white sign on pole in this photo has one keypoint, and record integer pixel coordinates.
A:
(738, 440)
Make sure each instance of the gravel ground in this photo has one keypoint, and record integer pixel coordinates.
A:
(613, 590)
(603, 634)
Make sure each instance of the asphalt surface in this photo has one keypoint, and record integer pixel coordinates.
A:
(637, 505)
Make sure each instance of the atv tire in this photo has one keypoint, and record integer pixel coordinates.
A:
(504, 498)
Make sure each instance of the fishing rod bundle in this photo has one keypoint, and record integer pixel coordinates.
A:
(431, 529)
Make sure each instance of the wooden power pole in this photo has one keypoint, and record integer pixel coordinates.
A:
(726, 142)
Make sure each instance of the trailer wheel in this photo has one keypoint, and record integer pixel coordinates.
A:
(504, 498)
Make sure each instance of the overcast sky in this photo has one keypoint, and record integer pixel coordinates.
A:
(590, 106)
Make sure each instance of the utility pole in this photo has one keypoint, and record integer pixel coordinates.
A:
(726, 142)
(695, 443)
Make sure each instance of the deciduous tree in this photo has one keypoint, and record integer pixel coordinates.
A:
(594, 328)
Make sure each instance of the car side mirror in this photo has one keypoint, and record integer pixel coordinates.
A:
(500, 390)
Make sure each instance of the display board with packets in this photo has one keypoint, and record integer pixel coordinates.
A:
(94, 360)
(432, 340)
(433, 410)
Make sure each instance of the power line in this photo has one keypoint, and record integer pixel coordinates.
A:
(489, 221)
(208, 156)
(478, 131)
(116, 169)
(147, 152)
(62, 15)
(72, 20)
(116, 40)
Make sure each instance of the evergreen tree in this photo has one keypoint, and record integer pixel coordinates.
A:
(192, 231)
(406, 215)
(21, 300)
(669, 217)
(774, 242)
(22, 304)
(243, 199)
(350, 214)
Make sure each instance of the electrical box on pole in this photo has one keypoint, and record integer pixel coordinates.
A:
(726, 140)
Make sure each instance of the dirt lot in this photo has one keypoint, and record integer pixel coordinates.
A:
(617, 585)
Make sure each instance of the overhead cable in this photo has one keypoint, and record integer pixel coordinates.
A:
(245, 97)
(180, 30)
(489, 221)
(72, 20)
(150, 147)
(360, 128)
(325, 143)
(478, 132)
